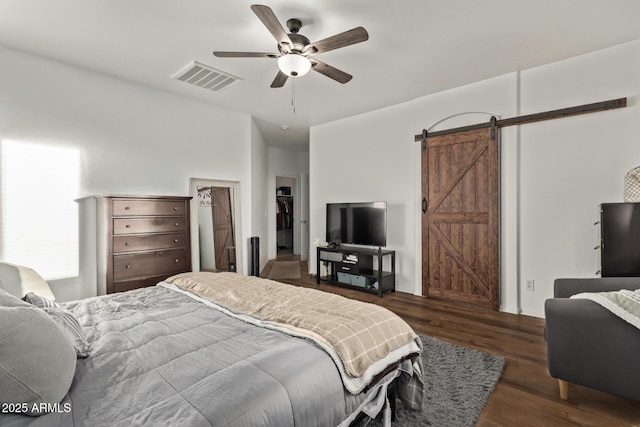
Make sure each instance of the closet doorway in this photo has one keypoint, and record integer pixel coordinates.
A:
(286, 227)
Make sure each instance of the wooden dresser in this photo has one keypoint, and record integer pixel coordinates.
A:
(141, 240)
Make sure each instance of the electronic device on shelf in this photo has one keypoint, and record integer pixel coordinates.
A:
(363, 223)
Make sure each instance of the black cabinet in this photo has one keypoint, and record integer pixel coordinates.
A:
(620, 239)
(370, 270)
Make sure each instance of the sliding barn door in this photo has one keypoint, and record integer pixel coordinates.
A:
(223, 240)
(460, 217)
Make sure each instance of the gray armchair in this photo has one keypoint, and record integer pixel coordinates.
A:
(589, 345)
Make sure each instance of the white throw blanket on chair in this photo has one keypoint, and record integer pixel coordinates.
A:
(624, 303)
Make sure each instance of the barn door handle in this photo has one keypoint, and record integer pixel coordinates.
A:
(424, 205)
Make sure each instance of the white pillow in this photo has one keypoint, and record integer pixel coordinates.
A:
(37, 362)
(19, 280)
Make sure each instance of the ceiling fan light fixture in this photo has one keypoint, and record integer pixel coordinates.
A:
(294, 65)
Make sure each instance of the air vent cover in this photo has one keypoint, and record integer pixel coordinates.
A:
(206, 77)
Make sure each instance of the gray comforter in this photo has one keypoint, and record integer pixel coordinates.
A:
(160, 358)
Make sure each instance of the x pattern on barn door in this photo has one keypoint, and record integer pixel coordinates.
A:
(460, 221)
(223, 239)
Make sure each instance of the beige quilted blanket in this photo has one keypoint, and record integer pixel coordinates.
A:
(360, 333)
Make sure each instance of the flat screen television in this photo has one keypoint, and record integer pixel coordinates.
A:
(357, 223)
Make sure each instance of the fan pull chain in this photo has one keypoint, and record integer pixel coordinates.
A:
(293, 95)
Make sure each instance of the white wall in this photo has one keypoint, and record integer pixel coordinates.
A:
(364, 159)
(571, 165)
(260, 194)
(553, 174)
(133, 139)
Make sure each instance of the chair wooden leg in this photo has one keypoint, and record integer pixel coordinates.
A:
(564, 389)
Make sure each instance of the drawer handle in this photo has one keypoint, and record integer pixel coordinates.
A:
(127, 266)
(176, 224)
(175, 208)
(127, 244)
(127, 226)
(175, 240)
(177, 260)
(126, 208)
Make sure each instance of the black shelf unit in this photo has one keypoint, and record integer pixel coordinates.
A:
(353, 268)
(620, 239)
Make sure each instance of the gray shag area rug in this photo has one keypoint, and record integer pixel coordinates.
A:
(284, 270)
(458, 383)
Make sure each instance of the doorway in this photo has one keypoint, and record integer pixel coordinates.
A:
(286, 212)
(215, 225)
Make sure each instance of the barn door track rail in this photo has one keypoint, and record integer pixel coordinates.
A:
(531, 118)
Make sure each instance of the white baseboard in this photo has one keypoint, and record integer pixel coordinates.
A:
(533, 313)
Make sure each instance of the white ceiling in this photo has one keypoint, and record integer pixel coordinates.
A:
(415, 47)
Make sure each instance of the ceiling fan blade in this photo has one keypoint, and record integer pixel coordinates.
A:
(280, 80)
(353, 36)
(245, 54)
(269, 19)
(331, 72)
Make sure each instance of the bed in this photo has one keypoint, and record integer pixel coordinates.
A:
(209, 349)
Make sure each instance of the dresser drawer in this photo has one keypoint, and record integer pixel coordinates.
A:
(149, 207)
(133, 243)
(133, 266)
(127, 285)
(149, 225)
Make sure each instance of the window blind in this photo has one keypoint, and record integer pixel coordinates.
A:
(39, 183)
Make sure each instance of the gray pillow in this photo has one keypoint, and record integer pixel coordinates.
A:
(37, 363)
(65, 319)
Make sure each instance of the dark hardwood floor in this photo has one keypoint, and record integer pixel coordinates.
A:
(525, 395)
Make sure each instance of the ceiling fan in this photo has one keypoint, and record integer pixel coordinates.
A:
(295, 51)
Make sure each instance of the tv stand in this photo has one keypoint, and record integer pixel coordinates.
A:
(354, 268)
